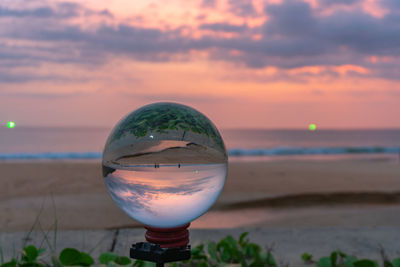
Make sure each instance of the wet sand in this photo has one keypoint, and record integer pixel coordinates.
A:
(284, 193)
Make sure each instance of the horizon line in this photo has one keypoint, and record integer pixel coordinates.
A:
(221, 128)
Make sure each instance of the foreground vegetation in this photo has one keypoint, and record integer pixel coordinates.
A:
(226, 252)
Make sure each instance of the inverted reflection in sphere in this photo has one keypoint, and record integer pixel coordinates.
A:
(165, 164)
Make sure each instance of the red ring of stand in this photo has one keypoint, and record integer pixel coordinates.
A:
(168, 237)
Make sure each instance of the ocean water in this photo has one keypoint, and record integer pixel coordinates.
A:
(168, 195)
(23, 143)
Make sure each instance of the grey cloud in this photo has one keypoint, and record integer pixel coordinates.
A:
(208, 3)
(290, 18)
(242, 7)
(393, 5)
(105, 12)
(138, 193)
(10, 78)
(61, 10)
(37, 12)
(361, 33)
(24, 94)
(293, 36)
(24, 77)
(337, 2)
(224, 27)
(387, 70)
(7, 77)
(14, 56)
(67, 9)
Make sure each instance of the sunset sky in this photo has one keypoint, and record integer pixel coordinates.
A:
(243, 63)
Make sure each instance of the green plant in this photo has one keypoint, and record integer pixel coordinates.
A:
(226, 252)
(31, 257)
(230, 252)
(340, 259)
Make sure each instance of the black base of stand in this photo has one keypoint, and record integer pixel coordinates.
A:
(154, 253)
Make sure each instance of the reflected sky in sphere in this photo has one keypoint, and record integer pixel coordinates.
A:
(166, 196)
(165, 164)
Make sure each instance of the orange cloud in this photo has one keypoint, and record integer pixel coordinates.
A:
(344, 69)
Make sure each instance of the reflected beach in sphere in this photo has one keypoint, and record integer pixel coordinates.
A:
(165, 164)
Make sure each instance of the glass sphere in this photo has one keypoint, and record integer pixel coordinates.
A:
(165, 164)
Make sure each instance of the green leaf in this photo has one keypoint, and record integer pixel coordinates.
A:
(123, 260)
(270, 260)
(140, 263)
(41, 251)
(341, 254)
(306, 257)
(396, 262)
(203, 264)
(242, 240)
(349, 261)
(387, 263)
(198, 253)
(253, 250)
(12, 263)
(226, 255)
(365, 263)
(212, 250)
(85, 259)
(333, 257)
(30, 253)
(70, 256)
(56, 262)
(324, 262)
(197, 250)
(31, 264)
(223, 250)
(106, 257)
(232, 246)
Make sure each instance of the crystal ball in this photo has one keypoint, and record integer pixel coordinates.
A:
(165, 164)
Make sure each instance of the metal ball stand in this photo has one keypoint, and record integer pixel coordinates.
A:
(164, 245)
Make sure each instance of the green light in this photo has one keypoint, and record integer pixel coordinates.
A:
(312, 127)
(10, 124)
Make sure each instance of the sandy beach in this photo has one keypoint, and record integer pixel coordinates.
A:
(280, 193)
